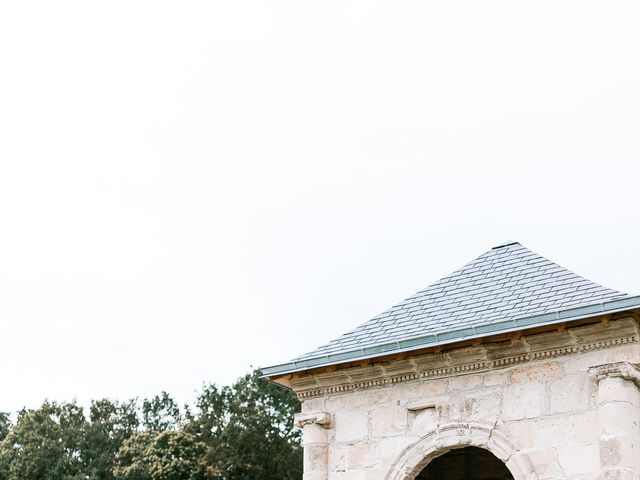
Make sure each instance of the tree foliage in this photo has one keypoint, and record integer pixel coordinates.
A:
(5, 425)
(250, 430)
(110, 425)
(161, 413)
(240, 432)
(166, 455)
(44, 444)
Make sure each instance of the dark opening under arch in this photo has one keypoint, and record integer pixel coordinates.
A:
(470, 463)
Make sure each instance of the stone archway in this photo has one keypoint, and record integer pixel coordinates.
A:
(467, 463)
(413, 459)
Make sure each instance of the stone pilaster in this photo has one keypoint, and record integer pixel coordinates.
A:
(618, 401)
(315, 440)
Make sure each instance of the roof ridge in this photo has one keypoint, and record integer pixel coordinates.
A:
(505, 244)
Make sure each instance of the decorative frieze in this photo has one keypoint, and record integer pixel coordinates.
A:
(454, 362)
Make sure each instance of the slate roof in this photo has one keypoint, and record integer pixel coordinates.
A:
(508, 282)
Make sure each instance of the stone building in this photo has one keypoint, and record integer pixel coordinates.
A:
(510, 368)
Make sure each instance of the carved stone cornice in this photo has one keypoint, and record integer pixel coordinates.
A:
(628, 371)
(473, 359)
(321, 418)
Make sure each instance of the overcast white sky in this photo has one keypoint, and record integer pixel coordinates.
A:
(190, 188)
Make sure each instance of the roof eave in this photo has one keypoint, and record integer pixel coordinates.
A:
(445, 338)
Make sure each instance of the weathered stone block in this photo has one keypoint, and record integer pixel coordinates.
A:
(314, 476)
(381, 396)
(569, 394)
(522, 433)
(362, 455)
(426, 388)
(589, 334)
(536, 372)
(348, 401)
(465, 382)
(507, 348)
(351, 426)
(523, 400)
(313, 405)
(583, 427)
(500, 377)
(338, 455)
(619, 418)
(580, 459)
(479, 435)
(546, 464)
(620, 452)
(549, 340)
(423, 421)
(314, 434)
(374, 474)
(500, 447)
(315, 457)
(551, 432)
(390, 448)
(619, 475)
(617, 389)
(348, 475)
(459, 411)
(483, 404)
(453, 436)
(388, 421)
(562, 431)
(520, 467)
(621, 353)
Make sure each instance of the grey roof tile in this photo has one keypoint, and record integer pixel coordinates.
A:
(506, 282)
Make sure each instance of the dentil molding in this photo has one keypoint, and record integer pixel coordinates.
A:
(473, 359)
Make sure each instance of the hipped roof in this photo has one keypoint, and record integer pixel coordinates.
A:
(505, 289)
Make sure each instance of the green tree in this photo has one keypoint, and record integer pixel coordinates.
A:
(5, 425)
(5, 429)
(166, 455)
(249, 431)
(110, 424)
(161, 413)
(211, 414)
(239, 432)
(44, 444)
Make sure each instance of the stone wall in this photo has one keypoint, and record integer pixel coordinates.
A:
(570, 413)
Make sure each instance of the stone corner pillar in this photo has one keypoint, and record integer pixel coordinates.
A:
(618, 401)
(315, 440)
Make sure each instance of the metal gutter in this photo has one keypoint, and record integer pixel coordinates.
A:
(445, 338)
